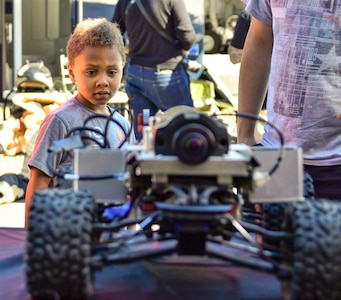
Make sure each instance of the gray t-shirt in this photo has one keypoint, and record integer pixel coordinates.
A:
(304, 93)
(58, 124)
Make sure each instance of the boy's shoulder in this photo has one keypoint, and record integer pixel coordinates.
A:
(70, 107)
(71, 112)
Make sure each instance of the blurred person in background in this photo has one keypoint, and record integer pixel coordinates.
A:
(155, 76)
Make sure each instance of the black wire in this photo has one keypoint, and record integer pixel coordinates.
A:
(126, 134)
(131, 119)
(84, 128)
(257, 118)
(122, 108)
(111, 119)
(51, 168)
(104, 145)
(85, 137)
(106, 129)
(103, 134)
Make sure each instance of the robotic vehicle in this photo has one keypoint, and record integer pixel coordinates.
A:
(185, 190)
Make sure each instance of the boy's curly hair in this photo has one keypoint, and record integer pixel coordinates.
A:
(94, 32)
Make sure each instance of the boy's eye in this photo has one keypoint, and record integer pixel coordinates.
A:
(112, 72)
(91, 72)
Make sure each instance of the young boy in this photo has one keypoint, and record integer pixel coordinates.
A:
(96, 59)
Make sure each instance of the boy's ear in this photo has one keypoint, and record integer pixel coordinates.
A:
(71, 74)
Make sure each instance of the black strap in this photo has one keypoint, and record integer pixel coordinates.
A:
(152, 23)
(131, 2)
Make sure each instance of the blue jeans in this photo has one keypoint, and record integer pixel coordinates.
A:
(156, 90)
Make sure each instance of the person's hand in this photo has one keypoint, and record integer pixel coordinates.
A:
(235, 54)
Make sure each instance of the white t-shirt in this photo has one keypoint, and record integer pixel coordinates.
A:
(304, 93)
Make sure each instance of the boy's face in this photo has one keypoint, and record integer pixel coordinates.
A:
(97, 71)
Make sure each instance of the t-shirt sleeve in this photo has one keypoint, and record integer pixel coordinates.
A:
(261, 10)
(51, 129)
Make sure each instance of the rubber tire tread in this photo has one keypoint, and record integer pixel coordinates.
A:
(58, 246)
(274, 213)
(316, 248)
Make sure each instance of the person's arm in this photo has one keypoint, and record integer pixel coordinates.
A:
(184, 29)
(253, 77)
(38, 181)
(235, 49)
(119, 16)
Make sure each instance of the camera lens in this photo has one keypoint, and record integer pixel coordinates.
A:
(193, 143)
(190, 135)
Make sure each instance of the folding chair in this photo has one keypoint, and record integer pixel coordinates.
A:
(68, 85)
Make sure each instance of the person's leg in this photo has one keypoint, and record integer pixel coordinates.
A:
(137, 89)
(156, 90)
(326, 180)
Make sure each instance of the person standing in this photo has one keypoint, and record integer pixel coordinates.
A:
(294, 49)
(155, 77)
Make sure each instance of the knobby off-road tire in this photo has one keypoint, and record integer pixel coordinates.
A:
(316, 251)
(58, 246)
(62, 183)
(274, 213)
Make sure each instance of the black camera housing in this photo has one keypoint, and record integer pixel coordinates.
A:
(191, 136)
